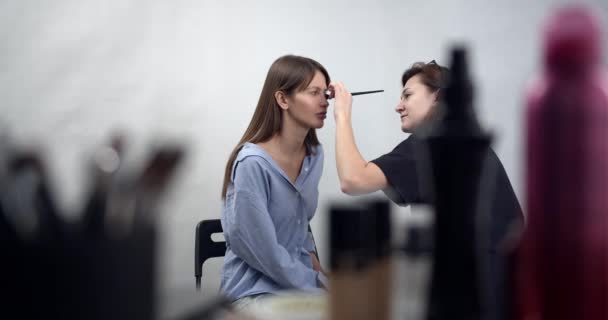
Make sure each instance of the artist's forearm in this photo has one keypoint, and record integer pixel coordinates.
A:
(349, 161)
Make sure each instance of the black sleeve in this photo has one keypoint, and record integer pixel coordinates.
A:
(505, 209)
(399, 168)
(504, 214)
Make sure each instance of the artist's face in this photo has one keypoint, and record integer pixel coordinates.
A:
(308, 107)
(416, 104)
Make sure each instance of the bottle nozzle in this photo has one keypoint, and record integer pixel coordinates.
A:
(572, 38)
(459, 91)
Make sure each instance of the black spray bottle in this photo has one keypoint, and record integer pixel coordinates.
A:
(457, 149)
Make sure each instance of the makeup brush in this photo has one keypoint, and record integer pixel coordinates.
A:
(328, 93)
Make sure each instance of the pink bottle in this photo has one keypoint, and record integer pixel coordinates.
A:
(562, 266)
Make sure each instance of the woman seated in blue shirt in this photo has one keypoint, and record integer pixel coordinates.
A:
(270, 187)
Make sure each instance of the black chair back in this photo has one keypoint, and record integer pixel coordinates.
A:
(205, 247)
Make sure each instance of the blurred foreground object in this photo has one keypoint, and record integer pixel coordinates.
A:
(457, 149)
(563, 256)
(361, 261)
(101, 267)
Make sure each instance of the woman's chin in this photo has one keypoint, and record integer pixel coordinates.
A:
(406, 127)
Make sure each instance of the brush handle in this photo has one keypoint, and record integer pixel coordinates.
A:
(328, 93)
(365, 92)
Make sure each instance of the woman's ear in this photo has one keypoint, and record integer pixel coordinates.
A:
(437, 96)
(281, 99)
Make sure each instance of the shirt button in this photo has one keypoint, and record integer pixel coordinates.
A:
(298, 221)
(306, 169)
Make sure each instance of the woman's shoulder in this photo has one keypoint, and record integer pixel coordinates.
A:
(493, 157)
(252, 157)
(406, 147)
(251, 152)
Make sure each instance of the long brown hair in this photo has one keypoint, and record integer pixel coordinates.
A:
(289, 74)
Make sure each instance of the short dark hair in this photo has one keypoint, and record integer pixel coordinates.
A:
(434, 76)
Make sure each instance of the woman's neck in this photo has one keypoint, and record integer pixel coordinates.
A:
(288, 149)
(288, 142)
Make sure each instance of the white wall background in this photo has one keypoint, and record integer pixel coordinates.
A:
(72, 70)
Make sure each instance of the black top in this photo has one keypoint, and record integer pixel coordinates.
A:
(402, 168)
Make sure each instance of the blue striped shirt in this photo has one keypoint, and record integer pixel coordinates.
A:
(265, 220)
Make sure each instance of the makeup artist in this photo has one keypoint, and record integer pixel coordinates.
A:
(396, 172)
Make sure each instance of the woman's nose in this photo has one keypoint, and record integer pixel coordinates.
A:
(400, 107)
(325, 103)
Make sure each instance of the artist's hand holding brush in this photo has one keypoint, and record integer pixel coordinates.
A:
(343, 101)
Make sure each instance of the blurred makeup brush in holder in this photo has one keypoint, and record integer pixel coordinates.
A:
(101, 267)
